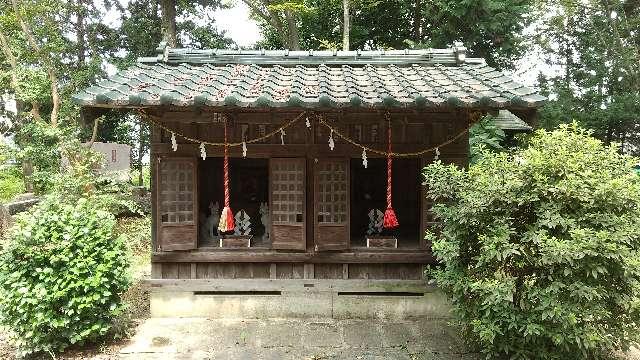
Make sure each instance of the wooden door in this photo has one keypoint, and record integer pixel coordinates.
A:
(331, 204)
(287, 198)
(177, 204)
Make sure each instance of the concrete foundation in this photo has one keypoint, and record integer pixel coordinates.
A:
(313, 299)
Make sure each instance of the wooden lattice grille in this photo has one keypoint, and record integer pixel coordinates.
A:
(177, 184)
(287, 197)
(332, 192)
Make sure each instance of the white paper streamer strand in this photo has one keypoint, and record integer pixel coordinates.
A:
(332, 143)
(203, 151)
(174, 143)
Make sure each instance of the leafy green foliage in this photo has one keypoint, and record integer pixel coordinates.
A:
(540, 249)
(39, 144)
(81, 178)
(484, 135)
(33, 85)
(61, 276)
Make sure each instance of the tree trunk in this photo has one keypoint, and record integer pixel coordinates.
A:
(140, 152)
(417, 21)
(94, 132)
(346, 27)
(80, 33)
(55, 97)
(292, 30)
(27, 172)
(169, 35)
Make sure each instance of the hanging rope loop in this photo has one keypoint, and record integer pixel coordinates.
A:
(390, 220)
(226, 218)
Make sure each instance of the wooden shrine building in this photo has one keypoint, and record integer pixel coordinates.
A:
(300, 127)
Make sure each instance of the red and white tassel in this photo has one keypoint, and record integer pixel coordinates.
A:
(227, 222)
(390, 220)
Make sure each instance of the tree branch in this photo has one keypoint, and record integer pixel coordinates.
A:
(13, 63)
(55, 97)
(271, 18)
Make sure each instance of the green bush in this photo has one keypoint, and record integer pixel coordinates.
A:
(11, 183)
(62, 276)
(540, 249)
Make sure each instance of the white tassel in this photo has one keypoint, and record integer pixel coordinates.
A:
(307, 122)
(365, 163)
(437, 153)
(332, 144)
(282, 134)
(203, 151)
(174, 143)
(244, 149)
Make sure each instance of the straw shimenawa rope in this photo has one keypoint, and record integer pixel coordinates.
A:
(473, 118)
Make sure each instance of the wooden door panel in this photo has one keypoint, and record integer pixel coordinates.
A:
(178, 204)
(287, 198)
(331, 197)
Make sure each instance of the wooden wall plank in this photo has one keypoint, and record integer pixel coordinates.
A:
(328, 271)
(170, 271)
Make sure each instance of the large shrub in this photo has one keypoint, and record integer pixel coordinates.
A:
(540, 249)
(61, 276)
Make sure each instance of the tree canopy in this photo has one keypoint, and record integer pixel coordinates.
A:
(491, 29)
(595, 48)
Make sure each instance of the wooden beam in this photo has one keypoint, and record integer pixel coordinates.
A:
(291, 285)
(415, 256)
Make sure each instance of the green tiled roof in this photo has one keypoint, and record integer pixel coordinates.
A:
(508, 121)
(370, 79)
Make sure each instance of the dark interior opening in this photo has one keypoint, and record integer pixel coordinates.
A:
(249, 185)
(372, 293)
(243, 293)
(369, 191)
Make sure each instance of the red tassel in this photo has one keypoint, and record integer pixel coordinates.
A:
(390, 220)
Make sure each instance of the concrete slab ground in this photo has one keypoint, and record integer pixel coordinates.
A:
(283, 339)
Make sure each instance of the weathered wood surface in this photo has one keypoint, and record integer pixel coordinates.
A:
(412, 131)
(235, 241)
(312, 285)
(382, 242)
(351, 257)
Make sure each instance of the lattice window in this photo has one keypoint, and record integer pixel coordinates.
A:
(332, 192)
(177, 185)
(287, 197)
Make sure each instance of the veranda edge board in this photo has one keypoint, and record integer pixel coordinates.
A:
(395, 257)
